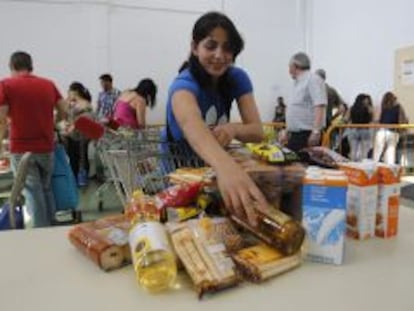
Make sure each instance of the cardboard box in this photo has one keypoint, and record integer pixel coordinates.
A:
(362, 198)
(324, 214)
(386, 221)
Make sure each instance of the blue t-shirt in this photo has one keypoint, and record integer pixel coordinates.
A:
(214, 108)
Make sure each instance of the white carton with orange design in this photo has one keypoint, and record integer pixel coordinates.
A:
(362, 198)
(389, 177)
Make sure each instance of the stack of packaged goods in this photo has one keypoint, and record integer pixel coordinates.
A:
(187, 223)
(324, 214)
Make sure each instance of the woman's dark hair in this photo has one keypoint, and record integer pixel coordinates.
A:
(82, 91)
(361, 113)
(209, 21)
(202, 29)
(388, 100)
(147, 89)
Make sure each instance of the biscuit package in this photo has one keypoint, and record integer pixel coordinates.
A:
(104, 241)
(260, 262)
(202, 247)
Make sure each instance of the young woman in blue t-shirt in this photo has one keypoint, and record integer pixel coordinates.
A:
(199, 104)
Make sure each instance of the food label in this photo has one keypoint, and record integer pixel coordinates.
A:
(147, 237)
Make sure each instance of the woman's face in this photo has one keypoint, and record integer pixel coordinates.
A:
(72, 96)
(214, 52)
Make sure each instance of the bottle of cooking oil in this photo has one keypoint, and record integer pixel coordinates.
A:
(152, 255)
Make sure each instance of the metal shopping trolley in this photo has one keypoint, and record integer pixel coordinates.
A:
(111, 140)
(142, 160)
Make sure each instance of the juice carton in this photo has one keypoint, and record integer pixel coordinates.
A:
(389, 177)
(324, 214)
(362, 198)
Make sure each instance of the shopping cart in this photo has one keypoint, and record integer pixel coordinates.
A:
(111, 140)
(142, 160)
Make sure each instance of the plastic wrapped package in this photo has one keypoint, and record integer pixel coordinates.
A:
(104, 241)
(322, 156)
(202, 247)
(260, 262)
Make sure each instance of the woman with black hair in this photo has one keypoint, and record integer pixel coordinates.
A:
(199, 104)
(360, 139)
(130, 107)
(79, 99)
(386, 140)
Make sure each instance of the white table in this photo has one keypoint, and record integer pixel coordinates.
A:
(41, 270)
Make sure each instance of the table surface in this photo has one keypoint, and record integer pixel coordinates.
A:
(41, 270)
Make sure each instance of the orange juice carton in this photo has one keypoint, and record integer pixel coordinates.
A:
(324, 214)
(386, 220)
(362, 198)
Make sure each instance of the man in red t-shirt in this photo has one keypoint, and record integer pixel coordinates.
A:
(29, 103)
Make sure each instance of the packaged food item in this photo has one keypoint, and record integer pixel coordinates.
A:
(153, 258)
(273, 153)
(178, 214)
(201, 248)
(203, 175)
(210, 201)
(276, 229)
(261, 262)
(178, 195)
(322, 156)
(386, 220)
(104, 241)
(362, 197)
(324, 214)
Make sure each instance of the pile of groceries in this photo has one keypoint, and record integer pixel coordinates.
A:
(185, 227)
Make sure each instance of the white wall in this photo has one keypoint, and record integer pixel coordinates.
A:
(273, 31)
(79, 40)
(355, 42)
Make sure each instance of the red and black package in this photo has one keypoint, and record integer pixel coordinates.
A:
(178, 195)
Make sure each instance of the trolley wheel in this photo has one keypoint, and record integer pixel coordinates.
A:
(77, 216)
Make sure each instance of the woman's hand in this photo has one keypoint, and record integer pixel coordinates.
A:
(239, 192)
(224, 133)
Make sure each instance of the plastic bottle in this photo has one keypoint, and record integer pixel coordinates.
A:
(152, 255)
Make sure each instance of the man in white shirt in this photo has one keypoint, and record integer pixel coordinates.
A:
(305, 110)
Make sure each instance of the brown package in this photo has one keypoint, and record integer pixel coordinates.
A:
(261, 262)
(104, 241)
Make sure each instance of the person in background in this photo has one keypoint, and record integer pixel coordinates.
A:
(360, 139)
(386, 140)
(106, 98)
(305, 111)
(280, 114)
(199, 104)
(29, 101)
(79, 99)
(334, 100)
(130, 108)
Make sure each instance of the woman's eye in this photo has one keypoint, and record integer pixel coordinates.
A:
(211, 45)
